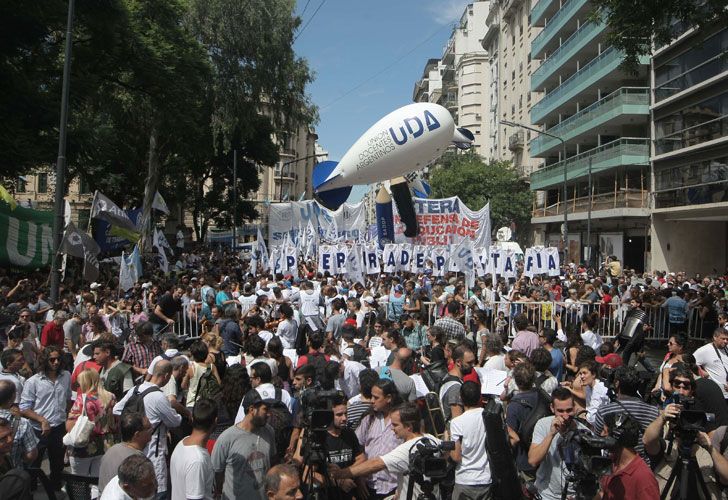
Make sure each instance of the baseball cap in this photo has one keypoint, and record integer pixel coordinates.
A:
(251, 398)
(94, 286)
(612, 360)
(368, 299)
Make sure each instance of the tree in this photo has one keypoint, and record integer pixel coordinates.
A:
(635, 27)
(476, 183)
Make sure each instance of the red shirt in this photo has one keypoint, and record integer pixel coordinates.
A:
(304, 359)
(52, 334)
(470, 377)
(634, 482)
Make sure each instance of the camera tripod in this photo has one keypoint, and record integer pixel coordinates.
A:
(427, 487)
(687, 472)
(585, 489)
(316, 459)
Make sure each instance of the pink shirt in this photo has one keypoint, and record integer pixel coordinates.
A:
(525, 341)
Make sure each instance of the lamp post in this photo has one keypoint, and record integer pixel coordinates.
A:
(58, 220)
(235, 199)
(280, 194)
(564, 230)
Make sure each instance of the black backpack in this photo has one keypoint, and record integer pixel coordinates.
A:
(542, 408)
(208, 387)
(281, 420)
(135, 404)
(318, 361)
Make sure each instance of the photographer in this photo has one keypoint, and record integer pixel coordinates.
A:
(406, 423)
(631, 477)
(544, 451)
(343, 450)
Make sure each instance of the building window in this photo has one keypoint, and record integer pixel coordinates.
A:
(520, 102)
(83, 217)
(513, 76)
(694, 124)
(42, 183)
(21, 185)
(83, 187)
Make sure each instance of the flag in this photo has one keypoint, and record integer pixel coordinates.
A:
(312, 237)
(131, 269)
(105, 209)
(66, 212)
(159, 204)
(76, 243)
(7, 198)
(260, 254)
(159, 242)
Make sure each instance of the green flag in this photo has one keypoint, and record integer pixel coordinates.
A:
(26, 237)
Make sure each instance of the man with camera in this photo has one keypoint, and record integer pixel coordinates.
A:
(406, 423)
(631, 477)
(342, 449)
(544, 452)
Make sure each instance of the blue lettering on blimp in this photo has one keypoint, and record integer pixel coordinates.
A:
(430, 122)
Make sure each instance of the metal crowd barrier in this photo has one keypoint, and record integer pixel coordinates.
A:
(611, 317)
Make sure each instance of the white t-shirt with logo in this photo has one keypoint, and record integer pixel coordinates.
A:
(113, 491)
(474, 468)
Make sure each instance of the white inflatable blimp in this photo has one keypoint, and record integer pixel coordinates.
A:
(405, 140)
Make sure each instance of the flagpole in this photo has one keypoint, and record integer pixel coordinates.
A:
(61, 160)
(235, 197)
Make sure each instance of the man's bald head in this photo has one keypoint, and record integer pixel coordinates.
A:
(162, 368)
(7, 393)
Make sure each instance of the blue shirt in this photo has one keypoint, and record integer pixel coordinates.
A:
(221, 298)
(676, 309)
(557, 364)
(47, 398)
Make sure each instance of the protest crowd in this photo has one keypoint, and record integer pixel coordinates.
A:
(222, 380)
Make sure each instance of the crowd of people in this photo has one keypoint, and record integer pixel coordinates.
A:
(215, 382)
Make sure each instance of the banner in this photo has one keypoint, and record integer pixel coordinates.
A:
(345, 224)
(363, 258)
(446, 221)
(26, 237)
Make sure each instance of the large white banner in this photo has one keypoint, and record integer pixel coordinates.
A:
(446, 221)
(292, 219)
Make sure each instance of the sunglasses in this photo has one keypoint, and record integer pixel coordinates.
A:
(54, 360)
(685, 384)
(25, 315)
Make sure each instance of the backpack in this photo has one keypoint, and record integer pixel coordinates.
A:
(135, 404)
(114, 382)
(208, 387)
(542, 408)
(434, 374)
(318, 361)
(281, 420)
(448, 382)
(169, 358)
(360, 354)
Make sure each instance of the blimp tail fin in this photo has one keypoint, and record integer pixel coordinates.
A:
(333, 198)
(405, 206)
(463, 138)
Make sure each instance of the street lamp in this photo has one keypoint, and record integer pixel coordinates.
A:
(564, 231)
(280, 194)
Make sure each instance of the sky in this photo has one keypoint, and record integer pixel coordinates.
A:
(366, 57)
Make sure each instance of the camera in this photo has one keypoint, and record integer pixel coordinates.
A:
(428, 459)
(582, 453)
(690, 420)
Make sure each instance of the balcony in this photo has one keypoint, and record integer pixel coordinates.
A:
(510, 8)
(517, 140)
(581, 39)
(448, 53)
(542, 10)
(620, 103)
(621, 198)
(602, 69)
(549, 34)
(625, 151)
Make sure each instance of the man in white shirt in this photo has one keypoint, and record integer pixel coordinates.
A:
(349, 377)
(406, 423)
(190, 468)
(713, 359)
(260, 379)
(161, 415)
(472, 474)
(287, 329)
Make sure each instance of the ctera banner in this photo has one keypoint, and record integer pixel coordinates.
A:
(26, 237)
(446, 221)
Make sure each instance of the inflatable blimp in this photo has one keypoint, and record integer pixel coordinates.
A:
(405, 140)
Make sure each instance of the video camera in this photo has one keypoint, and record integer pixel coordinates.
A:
(427, 459)
(689, 422)
(582, 453)
(317, 406)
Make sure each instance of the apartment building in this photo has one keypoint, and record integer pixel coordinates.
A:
(601, 112)
(507, 42)
(689, 229)
(459, 80)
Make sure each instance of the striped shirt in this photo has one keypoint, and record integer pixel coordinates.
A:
(141, 355)
(355, 412)
(376, 435)
(454, 330)
(644, 413)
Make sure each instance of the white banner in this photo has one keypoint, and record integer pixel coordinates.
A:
(345, 224)
(370, 258)
(390, 256)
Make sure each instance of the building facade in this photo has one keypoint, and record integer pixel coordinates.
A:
(507, 42)
(689, 230)
(601, 112)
